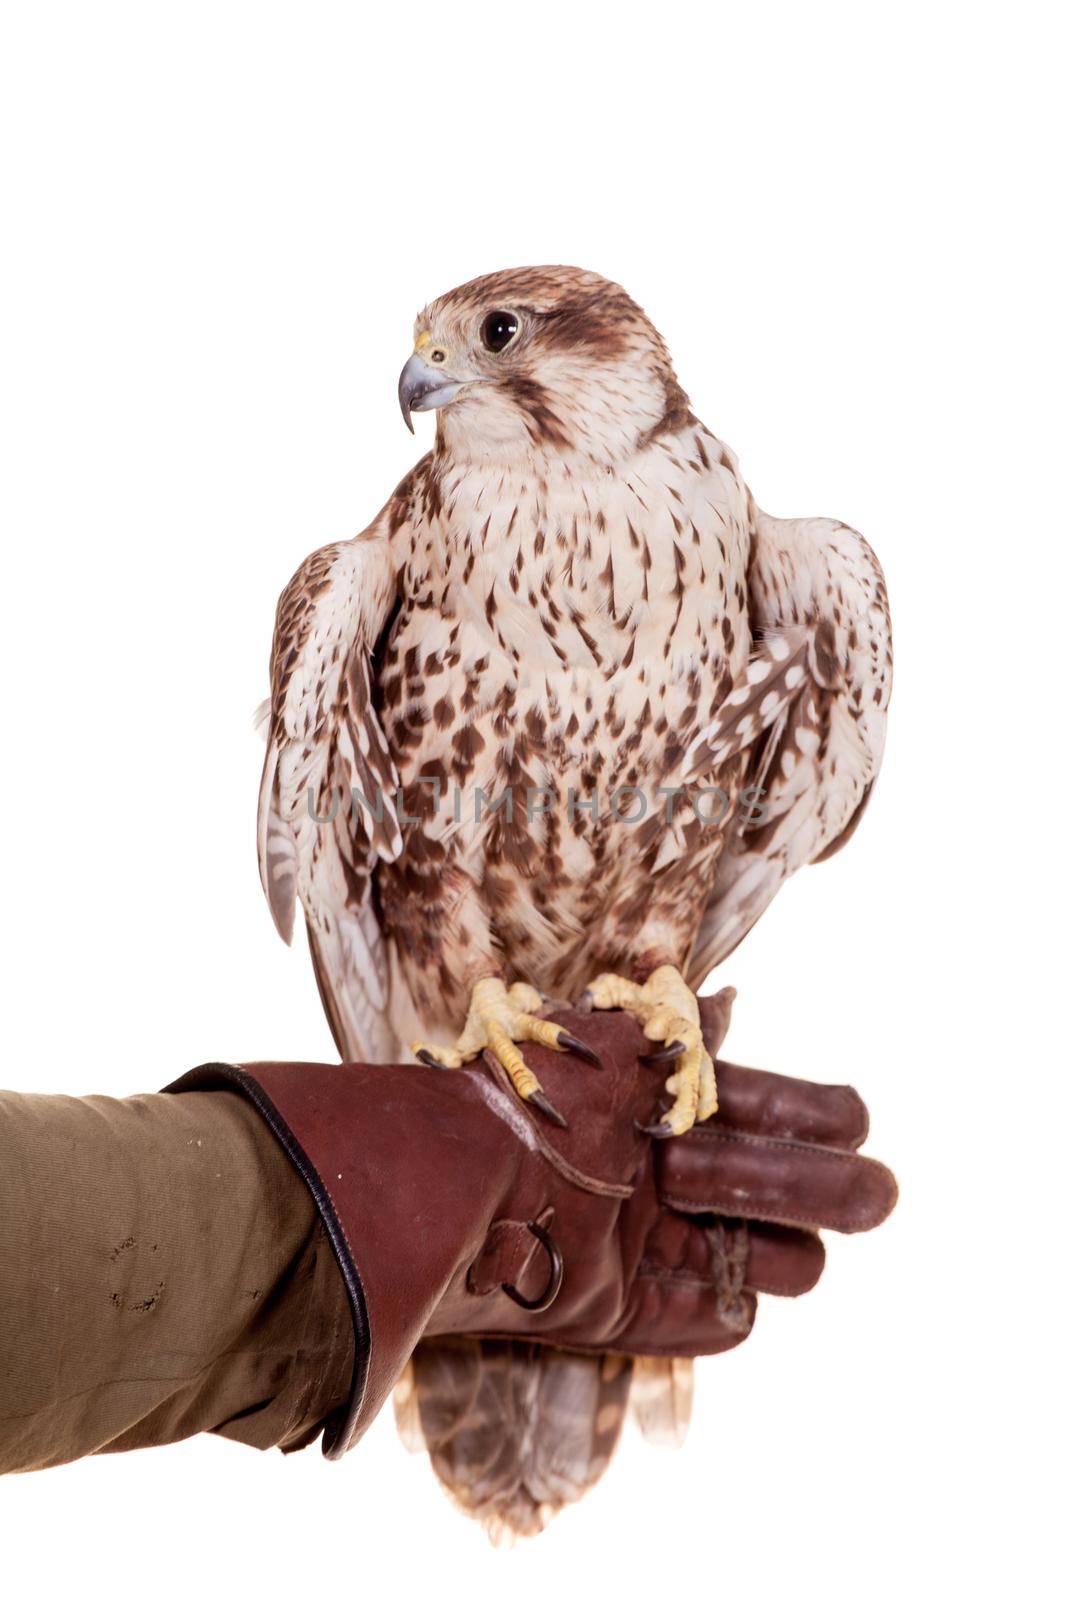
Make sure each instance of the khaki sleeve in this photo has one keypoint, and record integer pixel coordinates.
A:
(162, 1273)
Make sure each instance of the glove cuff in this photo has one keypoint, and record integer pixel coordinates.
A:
(406, 1168)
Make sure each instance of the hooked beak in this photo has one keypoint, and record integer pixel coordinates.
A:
(424, 388)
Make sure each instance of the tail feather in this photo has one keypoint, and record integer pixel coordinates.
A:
(514, 1431)
(661, 1398)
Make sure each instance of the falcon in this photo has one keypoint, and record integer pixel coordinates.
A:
(564, 717)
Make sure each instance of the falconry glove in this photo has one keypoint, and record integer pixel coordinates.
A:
(454, 1211)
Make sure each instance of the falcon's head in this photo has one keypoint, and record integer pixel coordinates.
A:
(541, 359)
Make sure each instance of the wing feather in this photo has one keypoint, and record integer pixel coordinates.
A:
(277, 850)
(815, 747)
(327, 803)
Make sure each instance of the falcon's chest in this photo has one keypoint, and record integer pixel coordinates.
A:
(564, 629)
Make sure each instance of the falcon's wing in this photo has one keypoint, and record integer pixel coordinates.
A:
(811, 714)
(324, 743)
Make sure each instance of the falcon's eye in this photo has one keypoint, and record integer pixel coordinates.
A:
(498, 330)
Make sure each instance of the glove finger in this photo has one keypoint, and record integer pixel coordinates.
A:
(783, 1261)
(789, 1108)
(698, 1283)
(675, 1315)
(773, 1180)
(727, 1257)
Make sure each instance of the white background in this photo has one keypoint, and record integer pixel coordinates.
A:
(220, 222)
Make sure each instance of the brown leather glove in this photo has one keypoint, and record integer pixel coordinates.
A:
(453, 1208)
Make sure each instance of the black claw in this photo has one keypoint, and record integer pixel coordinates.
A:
(429, 1060)
(540, 1099)
(658, 1130)
(585, 1002)
(670, 1052)
(578, 1048)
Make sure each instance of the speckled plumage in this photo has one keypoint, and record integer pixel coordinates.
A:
(561, 595)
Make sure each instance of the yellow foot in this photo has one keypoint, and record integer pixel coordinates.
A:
(667, 1010)
(498, 1017)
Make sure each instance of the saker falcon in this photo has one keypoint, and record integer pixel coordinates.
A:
(570, 710)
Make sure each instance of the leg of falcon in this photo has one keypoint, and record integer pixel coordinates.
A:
(499, 1017)
(667, 1010)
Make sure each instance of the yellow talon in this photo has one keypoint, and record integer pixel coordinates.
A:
(667, 1010)
(499, 1018)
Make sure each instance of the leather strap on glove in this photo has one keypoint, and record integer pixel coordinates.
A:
(451, 1208)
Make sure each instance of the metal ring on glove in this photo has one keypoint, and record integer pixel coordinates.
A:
(555, 1275)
